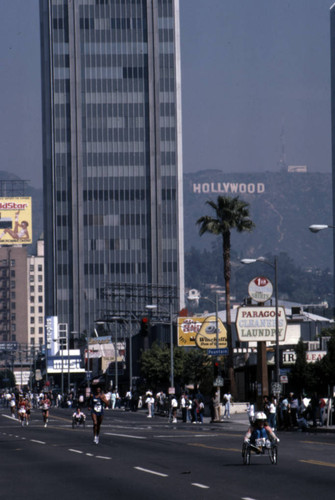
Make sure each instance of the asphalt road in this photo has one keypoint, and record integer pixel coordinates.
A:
(141, 458)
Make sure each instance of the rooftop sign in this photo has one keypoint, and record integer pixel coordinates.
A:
(260, 289)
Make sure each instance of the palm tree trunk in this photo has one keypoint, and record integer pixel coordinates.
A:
(227, 273)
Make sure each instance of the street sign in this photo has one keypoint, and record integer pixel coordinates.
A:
(217, 352)
(218, 382)
(276, 387)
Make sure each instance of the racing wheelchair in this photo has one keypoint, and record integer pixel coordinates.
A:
(77, 422)
(262, 446)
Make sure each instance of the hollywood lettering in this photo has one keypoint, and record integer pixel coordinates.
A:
(229, 187)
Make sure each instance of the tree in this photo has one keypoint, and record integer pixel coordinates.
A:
(230, 213)
(7, 378)
(190, 366)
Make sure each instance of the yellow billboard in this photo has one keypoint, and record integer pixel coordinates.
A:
(201, 332)
(15, 221)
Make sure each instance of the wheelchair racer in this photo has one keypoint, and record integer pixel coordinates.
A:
(78, 417)
(260, 429)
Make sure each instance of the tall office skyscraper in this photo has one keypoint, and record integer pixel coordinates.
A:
(112, 150)
(332, 69)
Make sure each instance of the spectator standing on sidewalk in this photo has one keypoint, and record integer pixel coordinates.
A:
(227, 399)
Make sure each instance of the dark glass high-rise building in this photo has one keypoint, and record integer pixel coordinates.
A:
(332, 69)
(111, 150)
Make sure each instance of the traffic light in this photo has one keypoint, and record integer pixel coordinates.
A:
(145, 325)
(217, 369)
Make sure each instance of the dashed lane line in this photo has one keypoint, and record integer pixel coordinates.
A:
(199, 485)
(124, 435)
(37, 441)
(148, 471)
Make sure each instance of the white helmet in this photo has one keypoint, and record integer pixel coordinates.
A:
(260, 415)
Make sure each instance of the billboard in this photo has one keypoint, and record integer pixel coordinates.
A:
(257, 324)
(15, 221)
(201, 332)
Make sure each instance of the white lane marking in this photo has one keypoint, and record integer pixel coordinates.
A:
(124, 435)
(89, 455)
(198, 485)
(186, 435)
(75, 451)
(10, 417)
(151, 472)
(103, 458)
(36, 441)
(247, 498)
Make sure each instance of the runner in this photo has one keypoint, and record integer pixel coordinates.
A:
(45, 403)
(28, 408)
(21, 410)
(12, 405)
(96, 405)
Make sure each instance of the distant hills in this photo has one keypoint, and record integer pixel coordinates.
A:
(282, 205)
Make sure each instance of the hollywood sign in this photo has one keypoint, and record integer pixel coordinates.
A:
(229, 187)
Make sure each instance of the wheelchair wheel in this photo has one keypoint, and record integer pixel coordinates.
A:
(246, 454)
(273, 453)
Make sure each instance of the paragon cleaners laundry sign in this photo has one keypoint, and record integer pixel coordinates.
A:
(256, 324)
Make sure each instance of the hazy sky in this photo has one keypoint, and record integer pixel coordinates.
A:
(255, 76)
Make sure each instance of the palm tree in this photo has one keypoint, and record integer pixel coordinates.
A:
(231, 213)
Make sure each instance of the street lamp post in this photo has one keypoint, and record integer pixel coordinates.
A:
(170, 311)
(315, 228)
(103, 322)
(275, 267)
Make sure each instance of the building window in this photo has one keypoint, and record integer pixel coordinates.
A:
(32, 310)
(32, 331)
(40, 268)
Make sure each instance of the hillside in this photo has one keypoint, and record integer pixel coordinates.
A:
(282, 205)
